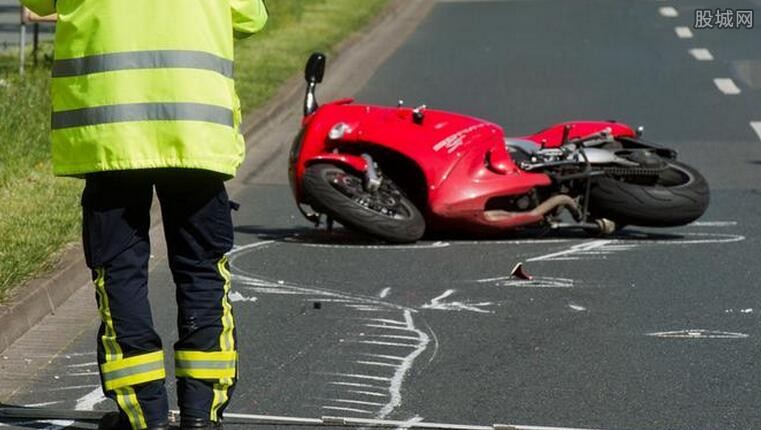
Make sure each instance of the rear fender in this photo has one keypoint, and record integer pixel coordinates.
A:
(553, 137)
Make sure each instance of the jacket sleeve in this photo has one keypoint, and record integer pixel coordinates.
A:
(249, 16)
(40, 7)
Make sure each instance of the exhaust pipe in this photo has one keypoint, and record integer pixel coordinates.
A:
(512, 219)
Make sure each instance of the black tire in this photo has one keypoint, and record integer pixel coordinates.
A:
(405, 226)
(680, 196)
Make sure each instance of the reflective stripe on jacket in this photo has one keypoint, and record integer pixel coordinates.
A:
(147, 84)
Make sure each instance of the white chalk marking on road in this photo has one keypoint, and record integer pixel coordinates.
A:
(358, 376)
(701, 54)
(335, 408)
(390, 357)
(84, 403)
(356, 384)
(537, 282)
(238, 297)
(568, 253)
(683, 32)
(410, 422)
(384, 293)
(386, 320)
(367, 308)
(437, 304)
(276, 291)
(375, 363)
(357, 402)
(756, 125)
(746, 311)
(368, 393)
(434, 245)
(698, 334)
(324, 300)
(577, 308)
(713, 224)
(668, 12)
(374, 342)
(392, 336)
(71, 388)
(727, 86)
(42, 405)
(395, 390)
(88, 364)
(83, 374)
(390, 327)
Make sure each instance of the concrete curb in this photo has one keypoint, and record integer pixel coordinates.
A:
(41, 297)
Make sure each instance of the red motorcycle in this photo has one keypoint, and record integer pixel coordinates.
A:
(396, 173)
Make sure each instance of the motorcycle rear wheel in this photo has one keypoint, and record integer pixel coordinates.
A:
(680, 196)
(387, 214)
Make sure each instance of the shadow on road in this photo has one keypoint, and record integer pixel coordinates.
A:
(342, 236)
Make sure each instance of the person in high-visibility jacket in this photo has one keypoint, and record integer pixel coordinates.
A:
(143, 97)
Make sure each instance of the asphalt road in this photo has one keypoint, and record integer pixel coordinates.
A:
(652, 329)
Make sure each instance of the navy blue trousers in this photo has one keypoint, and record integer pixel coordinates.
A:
(199, 232)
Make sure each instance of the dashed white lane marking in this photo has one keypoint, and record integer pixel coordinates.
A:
(699, 334)
(383, 294)
(727, 86)
(668, 12)
(577, 308)
(683, 32)
(756, 125)
(701, 54)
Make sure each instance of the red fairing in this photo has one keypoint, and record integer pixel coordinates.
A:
(464, 160)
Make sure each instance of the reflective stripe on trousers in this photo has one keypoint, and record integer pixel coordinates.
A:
(120, 374)
(218, 367)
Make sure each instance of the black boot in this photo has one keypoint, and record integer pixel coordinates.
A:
(189, 423)
(118, 421)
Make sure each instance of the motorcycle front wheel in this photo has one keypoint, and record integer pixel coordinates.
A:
(679, 196)
(386, 213)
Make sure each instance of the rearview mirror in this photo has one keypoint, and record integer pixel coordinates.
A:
(315, 69)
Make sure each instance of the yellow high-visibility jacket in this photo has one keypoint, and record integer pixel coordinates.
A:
(143, 84)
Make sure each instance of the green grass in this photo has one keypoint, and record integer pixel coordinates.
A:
(40, 215)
